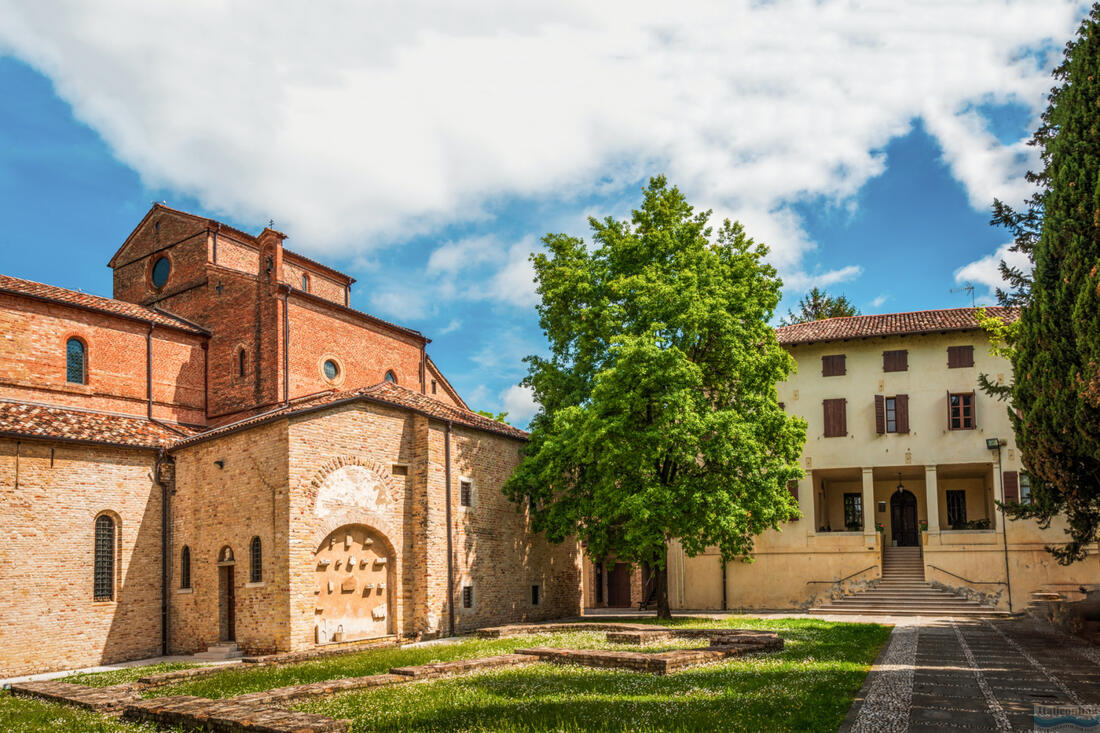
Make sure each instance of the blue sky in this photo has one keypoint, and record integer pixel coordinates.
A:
(880, 194)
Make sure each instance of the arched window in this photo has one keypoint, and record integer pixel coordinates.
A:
(305, 282)
(255, 564)
(104, 573)
(242, 362)
(76, 361)
(391, 377)
(185, 567)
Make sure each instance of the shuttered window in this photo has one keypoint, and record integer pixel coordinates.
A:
(960, 356)
(836, 418)
(901, 405)
(960, 411)
(833, 365)
(895, 361)
(1011, 481)
(892, 414)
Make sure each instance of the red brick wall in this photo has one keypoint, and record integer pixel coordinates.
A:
(49, 498)
(33, 364)
(364, 352)
(320, 284)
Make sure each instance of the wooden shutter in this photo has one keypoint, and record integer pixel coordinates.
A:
(880, 414)
(833, 365)
(949, 410)
(895, 361)
(836, 421)
(960, 356)
(1011, 480)
(901, 412)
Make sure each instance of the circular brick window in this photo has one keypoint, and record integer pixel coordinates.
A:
(331, 369)
(161, 270)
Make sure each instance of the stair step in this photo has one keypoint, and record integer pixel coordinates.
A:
(856, 610)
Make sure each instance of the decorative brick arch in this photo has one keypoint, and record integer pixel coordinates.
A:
(381, 470)
(370, 520)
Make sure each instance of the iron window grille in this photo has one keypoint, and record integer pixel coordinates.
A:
(75, 361)
(255, 562)
(465, 493)
(185, 567)
(853, 512)
(467, 596)
(956, 509)
(104, 571)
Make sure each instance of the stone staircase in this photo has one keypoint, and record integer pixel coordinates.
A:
(902, 591)
(220, 652)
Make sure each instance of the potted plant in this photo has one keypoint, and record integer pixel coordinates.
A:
(880, 527)
(923, 525)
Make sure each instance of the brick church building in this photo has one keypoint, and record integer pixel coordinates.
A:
(226, 451)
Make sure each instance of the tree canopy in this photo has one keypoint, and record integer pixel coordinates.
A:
(658, 415)
(1055, 345)
(818, 304)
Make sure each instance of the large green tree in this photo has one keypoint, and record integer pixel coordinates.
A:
(818, 304)
(658, 414)
(1055, 345)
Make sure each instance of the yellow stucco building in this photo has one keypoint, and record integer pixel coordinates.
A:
(904, 459)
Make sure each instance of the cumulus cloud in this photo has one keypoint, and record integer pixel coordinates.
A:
(519, 403)
(801, 281)
(986, 271)
(355, 124)
(879, 300)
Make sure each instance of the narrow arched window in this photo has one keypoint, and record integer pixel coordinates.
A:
(185, 567)
(305, 282)
(255, 565)
(104, 573)
(76, 361)
(391, 377)
(241, 362)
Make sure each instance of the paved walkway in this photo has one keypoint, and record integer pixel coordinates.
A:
(973, 675)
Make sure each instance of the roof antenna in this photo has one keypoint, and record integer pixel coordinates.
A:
(967, 287)
(270, 223)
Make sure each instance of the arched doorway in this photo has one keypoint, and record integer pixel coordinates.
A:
(903, 518)
(227, 595)
(354, 585)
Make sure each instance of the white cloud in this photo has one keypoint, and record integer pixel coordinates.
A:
(357, 124)
(878, 300)
(986, 271)
(801, 282)
(519, 403)
(454, 325)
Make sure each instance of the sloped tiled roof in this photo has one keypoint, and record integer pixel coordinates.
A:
(385, 393)
(39, 291)
(888, 324)
(50, 422)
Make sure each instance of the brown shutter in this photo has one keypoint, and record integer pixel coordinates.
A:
(948, 409)
(880, 414)
(901, 412)
(974, 409)
(1011, 480)
(960, 356)
(836, 423)
(833, 365)
(895, 361)
(792, 486)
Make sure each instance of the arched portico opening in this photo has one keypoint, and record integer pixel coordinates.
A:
(354, 585)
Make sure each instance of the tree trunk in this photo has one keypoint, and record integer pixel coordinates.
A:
(663, 611)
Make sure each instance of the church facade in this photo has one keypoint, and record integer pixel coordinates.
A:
(225, 451)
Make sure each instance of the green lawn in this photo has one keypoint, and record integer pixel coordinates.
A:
(24, 715)
(124, 675)
(806, 687)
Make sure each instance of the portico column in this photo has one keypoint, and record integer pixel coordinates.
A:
(932, 499)
(869, 503)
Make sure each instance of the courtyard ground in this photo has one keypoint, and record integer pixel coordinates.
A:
(809, 685)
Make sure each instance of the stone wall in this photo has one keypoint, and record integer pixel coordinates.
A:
(50, 496)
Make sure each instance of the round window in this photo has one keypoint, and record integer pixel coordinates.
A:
(161, 270)
(331, 369)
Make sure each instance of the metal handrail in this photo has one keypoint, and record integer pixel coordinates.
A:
(870, 567)
(968, 580)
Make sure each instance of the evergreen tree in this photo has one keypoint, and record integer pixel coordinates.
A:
(818, 304)
(1055, 345)
(658, 417)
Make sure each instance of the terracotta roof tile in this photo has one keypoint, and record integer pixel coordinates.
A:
(47, 421)
(95, 302)
(888, 324)
(384, 393)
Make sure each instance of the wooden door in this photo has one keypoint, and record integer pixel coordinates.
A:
(227, 593)
(618, 586)
(903, 518)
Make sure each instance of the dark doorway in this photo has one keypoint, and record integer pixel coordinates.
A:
(903, 518)
(227, 604)
(618, 586)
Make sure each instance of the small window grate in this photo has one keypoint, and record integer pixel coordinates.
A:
(255, 564)
(467, 596)
(75, 361)
(104, 573)
(465, 493)
(185, 567)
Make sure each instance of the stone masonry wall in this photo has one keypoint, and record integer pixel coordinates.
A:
(217, 506)
(50, 496)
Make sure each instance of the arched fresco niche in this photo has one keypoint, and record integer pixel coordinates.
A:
(354, 569)
(349, 487)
